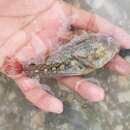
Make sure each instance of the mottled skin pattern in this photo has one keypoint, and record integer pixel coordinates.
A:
(81, 55)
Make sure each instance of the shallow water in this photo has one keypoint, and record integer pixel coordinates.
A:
(16, 113)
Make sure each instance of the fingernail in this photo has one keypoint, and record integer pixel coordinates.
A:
(95, 94)
(53, 104)
(90, 91)
(123, 68)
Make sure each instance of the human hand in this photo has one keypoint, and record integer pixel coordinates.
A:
(33, 35)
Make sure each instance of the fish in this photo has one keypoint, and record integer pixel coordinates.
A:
(81, 55)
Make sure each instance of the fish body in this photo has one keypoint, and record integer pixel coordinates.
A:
(83, 54)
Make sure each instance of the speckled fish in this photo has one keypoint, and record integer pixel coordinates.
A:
(80, 56)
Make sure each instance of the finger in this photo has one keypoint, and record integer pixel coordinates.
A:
(85, 89)
(36, 48)
(40, 98)
(14, 44)
(120, 65)
(92, 22)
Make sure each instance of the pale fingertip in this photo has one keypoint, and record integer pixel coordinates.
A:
(51, 104)
(89, 91)
(57, 106)
(125, 69)
(97, 94)
(119, 65)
